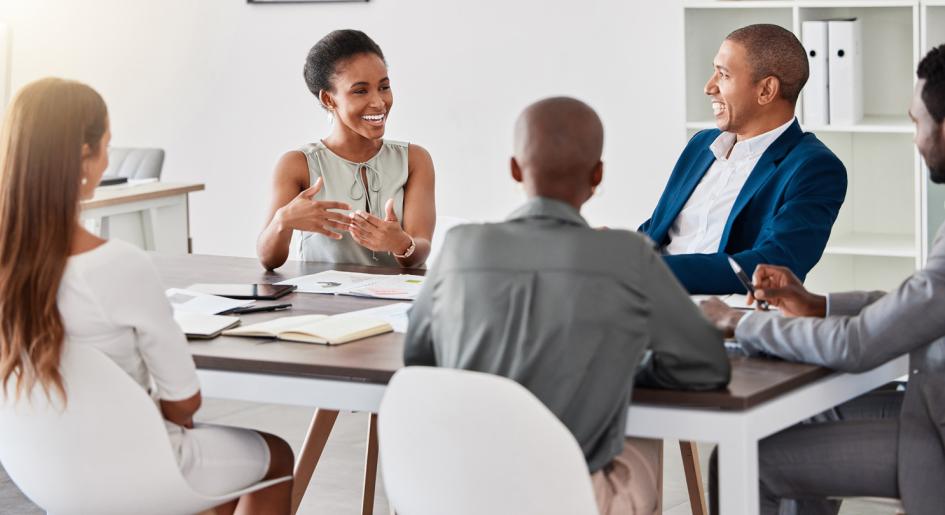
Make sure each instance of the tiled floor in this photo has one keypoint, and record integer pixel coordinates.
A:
(336, 486)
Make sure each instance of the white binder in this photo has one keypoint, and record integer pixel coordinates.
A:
(816, 96)
(845, 70)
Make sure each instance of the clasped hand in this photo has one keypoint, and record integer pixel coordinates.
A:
(304, 213)
(379, 235)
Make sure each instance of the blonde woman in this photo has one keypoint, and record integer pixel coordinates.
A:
(65, 286)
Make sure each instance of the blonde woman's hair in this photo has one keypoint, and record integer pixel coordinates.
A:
(44, 131)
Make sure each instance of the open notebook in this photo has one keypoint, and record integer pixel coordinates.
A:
(329, 330)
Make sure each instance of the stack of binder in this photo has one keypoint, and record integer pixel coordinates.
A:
(834, 92)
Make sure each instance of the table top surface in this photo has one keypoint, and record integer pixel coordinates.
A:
(375, 359)
(124, 193)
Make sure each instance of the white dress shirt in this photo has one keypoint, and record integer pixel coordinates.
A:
(698, 227)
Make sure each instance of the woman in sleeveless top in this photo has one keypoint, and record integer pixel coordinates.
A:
(354, 197)
(63, 286)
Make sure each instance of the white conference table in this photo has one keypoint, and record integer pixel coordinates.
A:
(152, 215)
(764, 397)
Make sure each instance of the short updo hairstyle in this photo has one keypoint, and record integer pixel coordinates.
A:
(323, 59)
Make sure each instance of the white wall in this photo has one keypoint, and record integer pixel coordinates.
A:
(218, 84)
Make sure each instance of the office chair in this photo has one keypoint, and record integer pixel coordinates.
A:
(468, 443)
(106, 451)
(135, 163)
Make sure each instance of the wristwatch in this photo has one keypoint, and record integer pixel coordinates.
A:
(409, 251)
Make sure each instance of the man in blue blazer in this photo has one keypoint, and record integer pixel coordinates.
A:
(758, 188)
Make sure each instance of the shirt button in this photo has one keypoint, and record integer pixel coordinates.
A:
(916, 371)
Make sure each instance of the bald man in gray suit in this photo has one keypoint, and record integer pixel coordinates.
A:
(887, 443)
(569, 312)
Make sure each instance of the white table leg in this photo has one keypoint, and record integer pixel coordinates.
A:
(738, 475)
(149, 228)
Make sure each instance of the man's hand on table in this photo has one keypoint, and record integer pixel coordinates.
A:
(724, 317)
(779, 287)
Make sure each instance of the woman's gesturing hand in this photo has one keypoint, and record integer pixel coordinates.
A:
(379, 235)
(304, 213)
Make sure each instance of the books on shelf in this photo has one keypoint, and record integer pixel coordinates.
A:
(816, 92)
(834, 92)
(376, 286)
(328, 330)
(845, 71)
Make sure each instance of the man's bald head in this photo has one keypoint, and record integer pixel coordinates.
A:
(558, 145)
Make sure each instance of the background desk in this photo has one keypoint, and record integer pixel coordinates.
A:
(153, 216)
(764, 396)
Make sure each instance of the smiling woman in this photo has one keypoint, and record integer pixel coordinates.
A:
(353, 196)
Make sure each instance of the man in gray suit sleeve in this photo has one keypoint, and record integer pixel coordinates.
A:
(887, 443)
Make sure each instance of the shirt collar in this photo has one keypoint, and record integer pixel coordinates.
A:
(543, 207)
(746, 149)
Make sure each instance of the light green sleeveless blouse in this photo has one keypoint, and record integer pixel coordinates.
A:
(386, 175)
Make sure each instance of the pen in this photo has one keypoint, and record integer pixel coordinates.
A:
(746, 282)
(259, 309)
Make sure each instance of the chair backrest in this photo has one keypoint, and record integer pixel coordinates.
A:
(135, 163)
(466, 443)
(106, 451)
(443, 225)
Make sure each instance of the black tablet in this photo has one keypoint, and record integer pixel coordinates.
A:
(245, 291)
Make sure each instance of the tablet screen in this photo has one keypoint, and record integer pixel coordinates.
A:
(245, 291)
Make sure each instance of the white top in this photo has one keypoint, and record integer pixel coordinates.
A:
(111, 298)
(698, 228)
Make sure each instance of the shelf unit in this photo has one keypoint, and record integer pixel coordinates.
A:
(882, 232)
(933, 208)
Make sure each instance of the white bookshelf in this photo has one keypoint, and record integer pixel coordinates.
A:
(881, 234)
(933, 208)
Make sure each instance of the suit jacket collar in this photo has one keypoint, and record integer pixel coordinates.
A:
(543, 207)
(766, 167)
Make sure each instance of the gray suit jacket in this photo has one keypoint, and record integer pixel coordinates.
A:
(568, 312)
(863, 330)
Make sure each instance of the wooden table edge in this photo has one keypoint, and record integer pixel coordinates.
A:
(655, 397)
(171, 190)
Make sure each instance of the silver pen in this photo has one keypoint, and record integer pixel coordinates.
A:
(743, 278)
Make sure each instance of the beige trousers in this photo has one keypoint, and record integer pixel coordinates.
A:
(631, 484)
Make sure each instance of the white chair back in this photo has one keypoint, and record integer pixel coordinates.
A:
(106, 451)
(443, 225)
(468, 443)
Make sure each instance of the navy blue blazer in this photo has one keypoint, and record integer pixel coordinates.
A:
(782, 216)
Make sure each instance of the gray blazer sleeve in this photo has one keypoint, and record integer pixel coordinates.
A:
(890, 326)
(687, 352)
(851, 303)
(418, 342)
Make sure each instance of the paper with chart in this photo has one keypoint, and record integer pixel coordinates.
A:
(330, 282)
(375, 286)
(391, 287)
